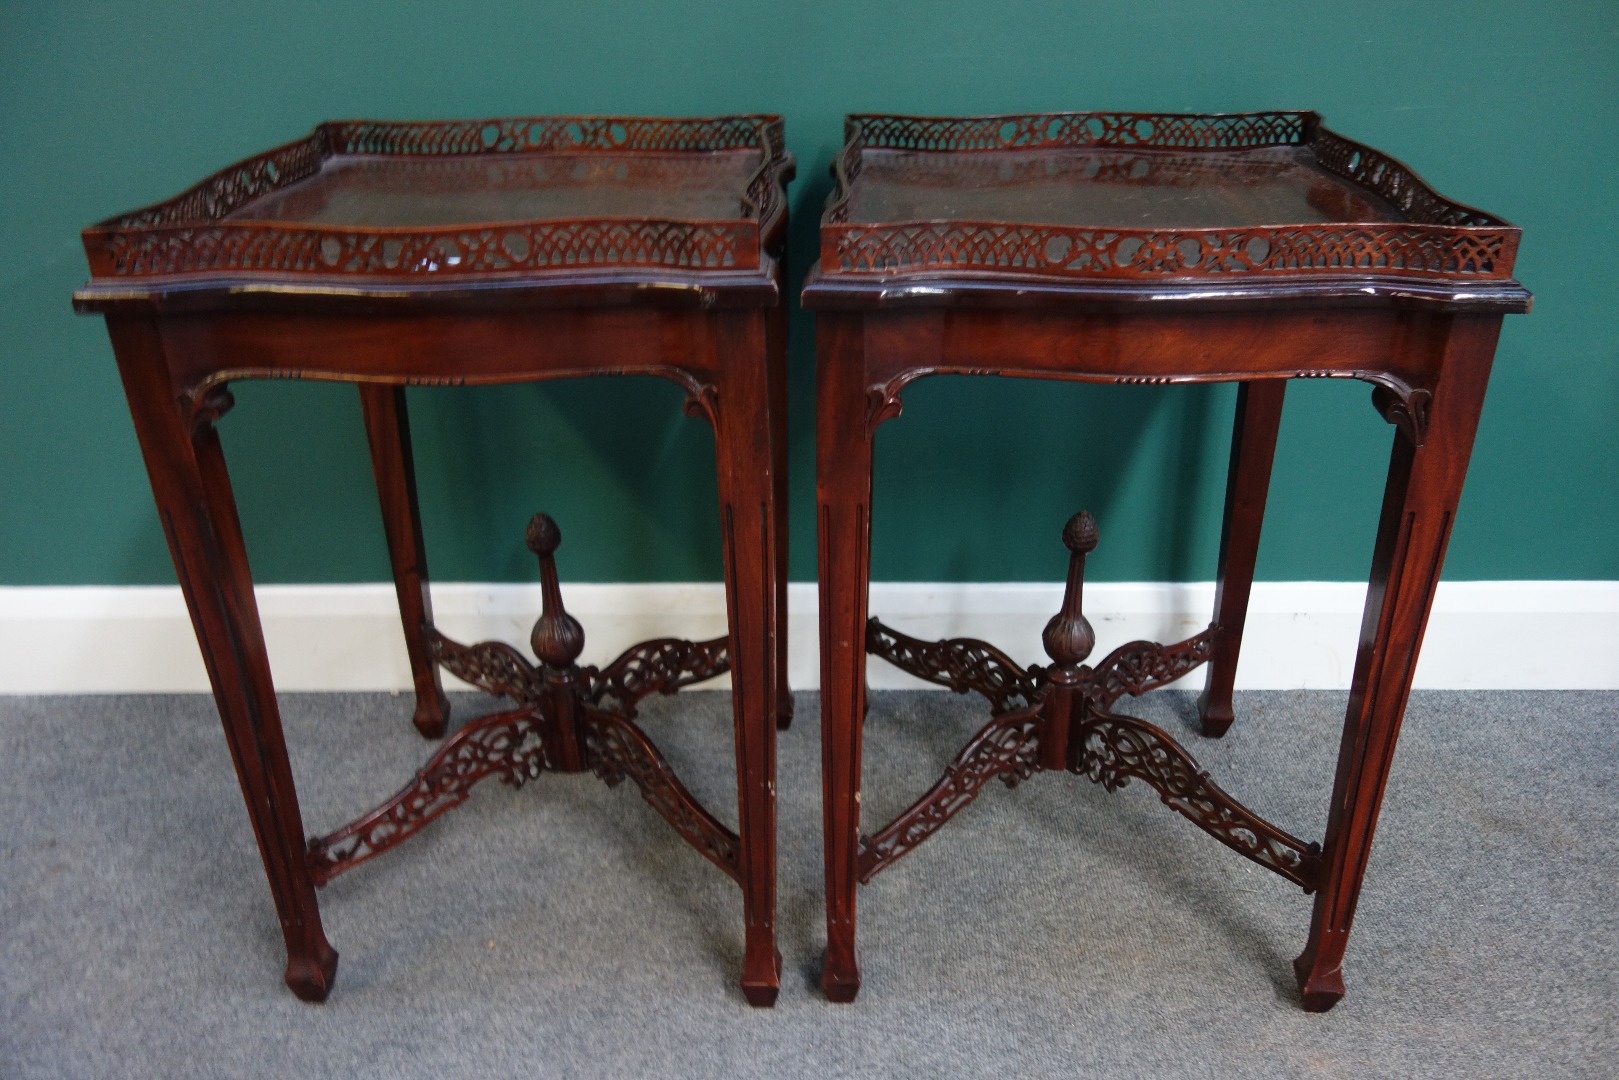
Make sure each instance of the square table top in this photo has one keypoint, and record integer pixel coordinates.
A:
(1115, 204)
(371, 207)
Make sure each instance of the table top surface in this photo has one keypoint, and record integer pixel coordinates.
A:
(1246, 204)
(391, 192)
(370, 206)
(1110, 188)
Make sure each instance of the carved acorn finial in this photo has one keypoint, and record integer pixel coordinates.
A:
(1080, 534)
(1068, 637)
(543, 536)
(558, 639)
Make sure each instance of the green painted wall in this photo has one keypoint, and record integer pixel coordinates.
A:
(1509, 106)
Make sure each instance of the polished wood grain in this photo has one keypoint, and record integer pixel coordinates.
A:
(1142, 197)
(1253, 448)
(1142, 248)
(387, 429)
(474, 252)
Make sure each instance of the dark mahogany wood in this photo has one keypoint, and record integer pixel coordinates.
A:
(1419, 506)
(474, 252)
(1142, 248)
(387, 429)
(1253, 448)
(777, 329)
(182, 457)
(843, 460)
(568, 719)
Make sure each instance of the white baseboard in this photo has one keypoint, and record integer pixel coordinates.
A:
(1482, 635)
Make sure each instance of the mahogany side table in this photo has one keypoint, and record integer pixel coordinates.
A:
(474, 252)
(1137, 248)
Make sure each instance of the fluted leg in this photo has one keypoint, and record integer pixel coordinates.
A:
(198, 513)
(778, 457)
(1253, 447)
(1419, 503)
(387, 429)
(843, 458)
(744, 437)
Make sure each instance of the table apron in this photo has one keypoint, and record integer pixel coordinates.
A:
(444, 349)
(1392, 347)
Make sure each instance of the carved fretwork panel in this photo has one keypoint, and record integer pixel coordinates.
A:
(1006, 749)
(661, 666)
(962, 664)
(512, 250)
(1421, 234)
(1066, 708)
(1141, 666)
(1054, 130)
(1112, 749)
(492, 666)
(507, 745)
(511, 746)
(237, 222)
(1149, 254)
(617, 748)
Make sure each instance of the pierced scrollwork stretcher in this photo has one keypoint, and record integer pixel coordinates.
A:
(1108, 748)
(568, 719)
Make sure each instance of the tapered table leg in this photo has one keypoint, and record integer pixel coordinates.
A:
(1419, 504)
(843, 459)
(744, 447)
(387, 429)
(777, 359)
(1253, 448)
(198, 513)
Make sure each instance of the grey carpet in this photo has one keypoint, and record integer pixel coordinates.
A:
(563, 930)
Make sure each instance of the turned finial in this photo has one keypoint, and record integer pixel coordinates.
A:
(1079, 535)
(558, 639)
(1068, 636)
(543, 535)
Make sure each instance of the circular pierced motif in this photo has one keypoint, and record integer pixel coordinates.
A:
(195, 232)
(1437, 238)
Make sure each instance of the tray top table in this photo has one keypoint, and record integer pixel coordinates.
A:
(1143, 248)
(457, 252)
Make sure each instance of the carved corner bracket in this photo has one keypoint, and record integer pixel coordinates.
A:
(1404, 406)
(206, 408)
(702, 399)
(883, 403)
